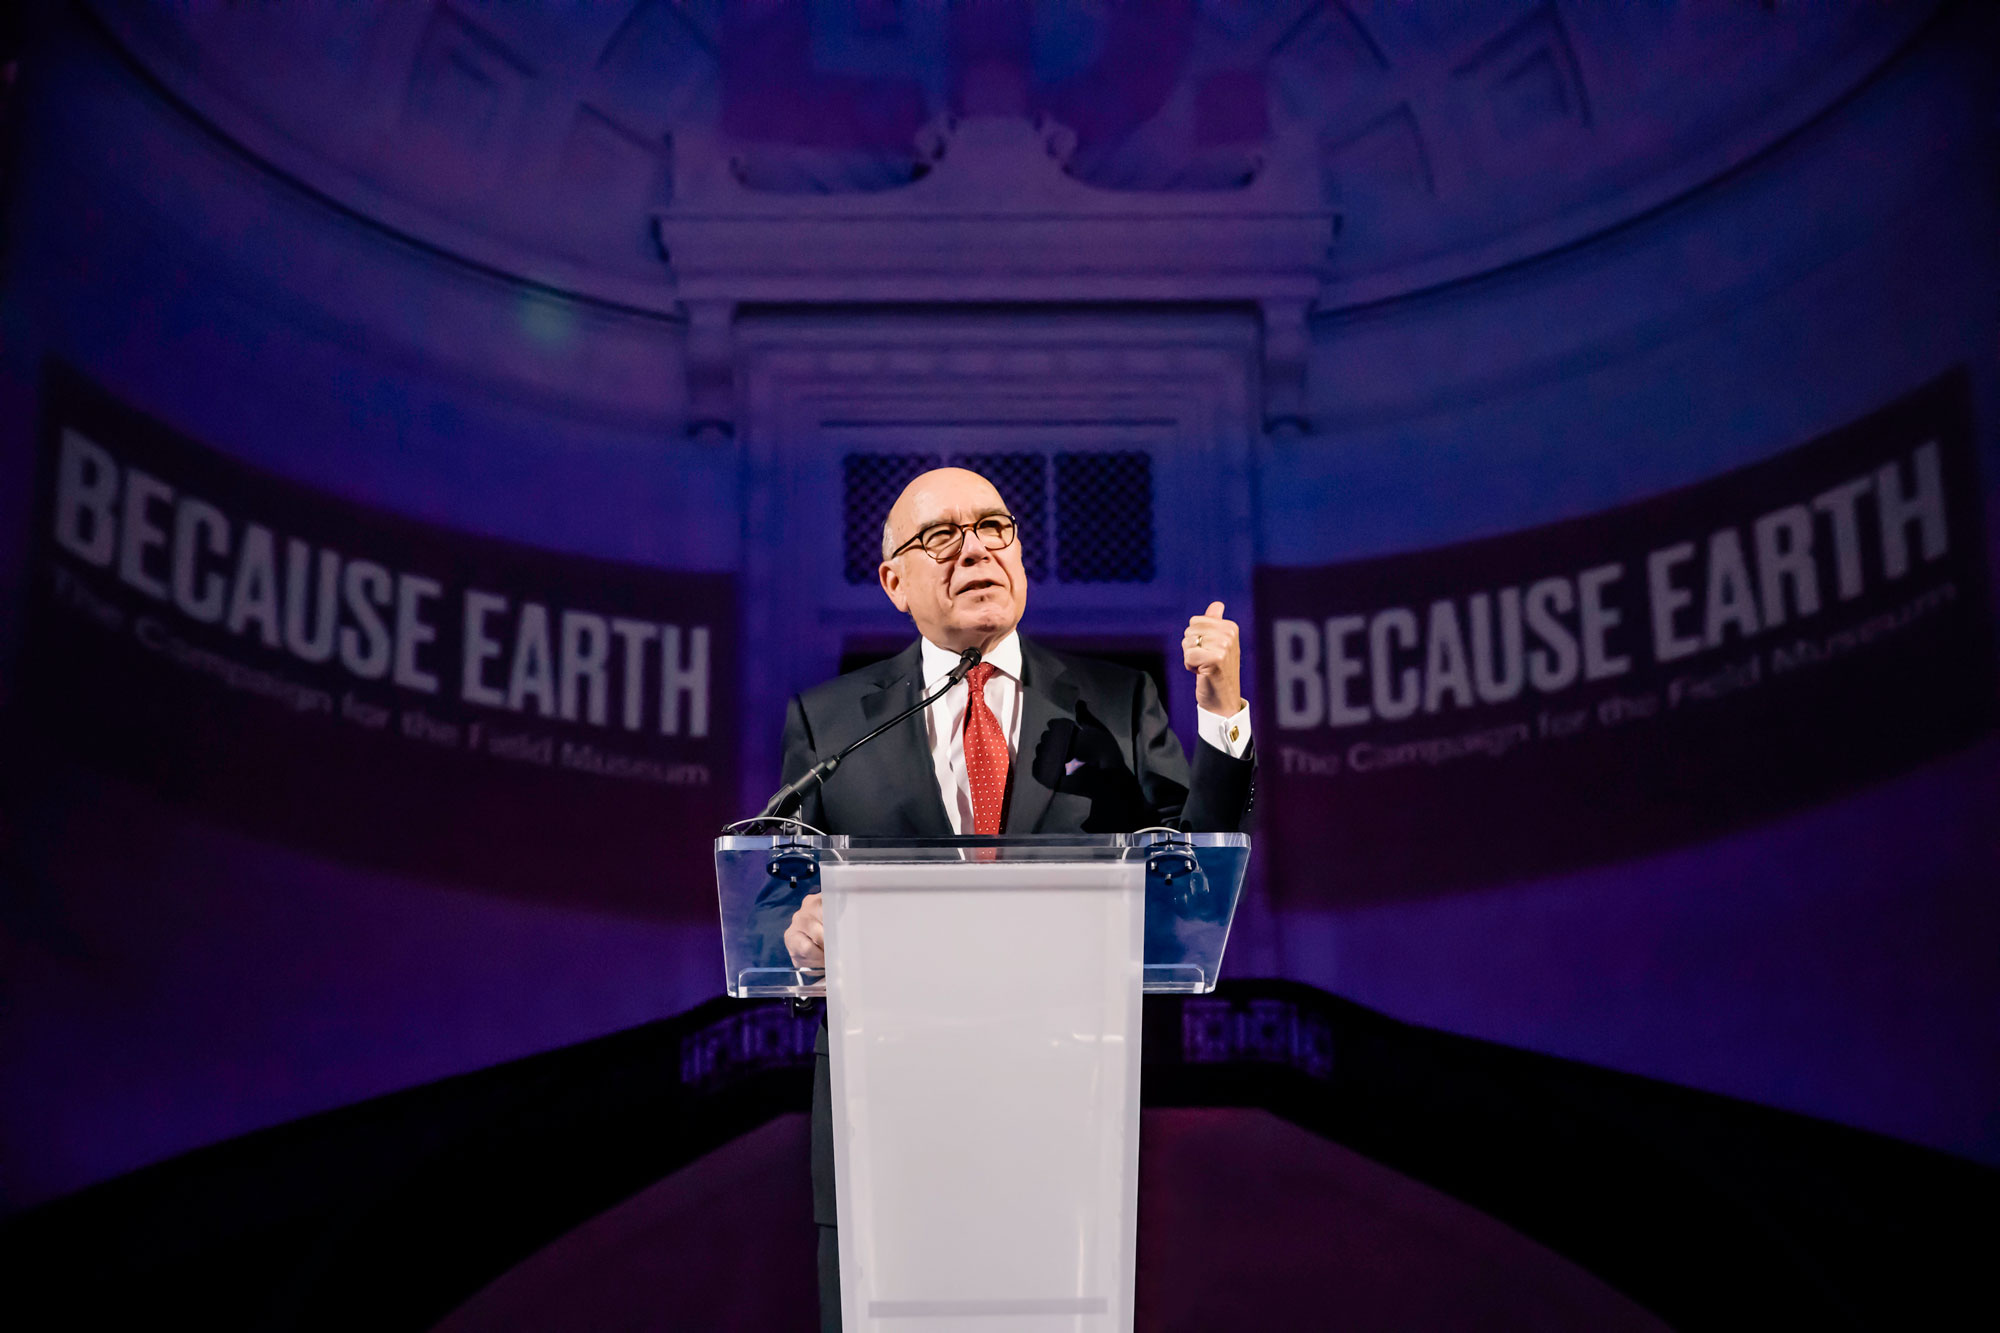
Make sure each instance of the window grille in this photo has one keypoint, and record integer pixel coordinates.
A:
(871, 483)
(1104, 517)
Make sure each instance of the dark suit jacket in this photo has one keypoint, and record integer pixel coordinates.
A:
(1095, 755)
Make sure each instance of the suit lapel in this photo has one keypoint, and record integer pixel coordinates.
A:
(1048, 695)
(906, 749)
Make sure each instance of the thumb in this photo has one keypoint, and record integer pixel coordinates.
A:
(1214, 611)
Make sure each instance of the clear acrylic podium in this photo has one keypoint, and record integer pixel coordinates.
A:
(983, 1014)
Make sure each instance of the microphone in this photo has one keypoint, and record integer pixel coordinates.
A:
(793, 794)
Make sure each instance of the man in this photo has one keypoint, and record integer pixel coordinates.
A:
(1032, 741)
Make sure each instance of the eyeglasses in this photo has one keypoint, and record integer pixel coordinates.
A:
(943, 541)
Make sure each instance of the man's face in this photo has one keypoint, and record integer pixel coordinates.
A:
(973, 600)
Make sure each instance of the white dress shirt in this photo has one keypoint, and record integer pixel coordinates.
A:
(945, 721)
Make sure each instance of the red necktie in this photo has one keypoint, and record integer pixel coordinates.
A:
(985, 754)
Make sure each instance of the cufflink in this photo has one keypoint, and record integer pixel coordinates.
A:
(1072, 766)
(1234, 732)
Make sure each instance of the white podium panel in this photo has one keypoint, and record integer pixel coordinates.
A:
(984, 1024)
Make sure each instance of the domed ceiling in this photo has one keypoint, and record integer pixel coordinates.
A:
(1445, 139)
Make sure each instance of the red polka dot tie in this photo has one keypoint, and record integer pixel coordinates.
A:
(985, 754)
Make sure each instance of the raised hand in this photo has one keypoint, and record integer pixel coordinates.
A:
(1212, 648)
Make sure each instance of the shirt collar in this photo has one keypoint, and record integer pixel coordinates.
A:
(938, 662)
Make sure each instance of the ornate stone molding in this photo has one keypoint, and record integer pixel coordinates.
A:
(997, 220)
(566, 146)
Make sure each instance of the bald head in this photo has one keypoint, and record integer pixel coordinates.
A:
(908, 516)
(975, 598)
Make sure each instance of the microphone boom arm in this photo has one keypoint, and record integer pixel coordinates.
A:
(793, 794)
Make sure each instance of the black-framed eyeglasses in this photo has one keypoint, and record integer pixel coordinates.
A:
(943, 541)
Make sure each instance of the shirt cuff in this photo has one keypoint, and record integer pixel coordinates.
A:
(1231, 735)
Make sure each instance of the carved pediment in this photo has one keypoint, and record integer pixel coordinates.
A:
(995, 218)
